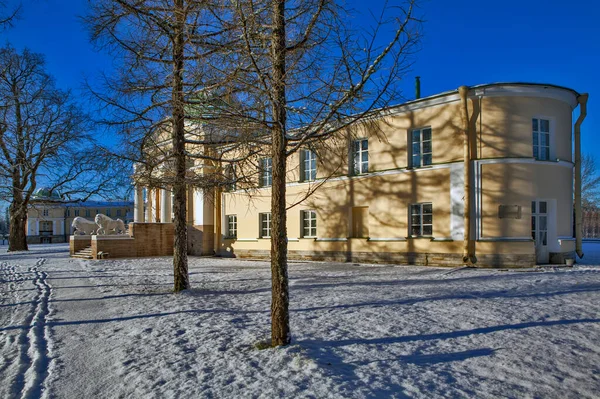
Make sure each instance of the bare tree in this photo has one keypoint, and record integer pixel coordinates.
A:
(166, 98)
(43, 138)
(590, 182)
(8, 14)
(308, 76)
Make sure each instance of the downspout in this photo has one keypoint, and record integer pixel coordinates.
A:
(582, 100)
(218, 220)
(468, 243)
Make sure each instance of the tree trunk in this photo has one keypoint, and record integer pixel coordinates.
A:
(17, 240)
(180, 261)
(280, 323)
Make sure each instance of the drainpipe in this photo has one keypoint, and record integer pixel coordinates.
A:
(582, 100)
(468, 243)
(218, 220)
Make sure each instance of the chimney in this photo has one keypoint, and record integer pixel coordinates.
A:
(417, 87)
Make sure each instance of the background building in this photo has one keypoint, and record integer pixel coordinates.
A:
(49, 217)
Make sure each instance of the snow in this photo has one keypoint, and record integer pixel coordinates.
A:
(113, 328)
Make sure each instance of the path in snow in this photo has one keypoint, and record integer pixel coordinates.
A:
(76, 328)
(26, 344)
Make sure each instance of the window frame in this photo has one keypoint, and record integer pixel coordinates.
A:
(310, 173)
(231, 220)
(77, 212)
(266, 172)
(421, 224)
(356, 157)
(312, 223)
(267, 218)
(537, 144)
(108, 213)
(230, 178)
(421, 142)
(87, 213)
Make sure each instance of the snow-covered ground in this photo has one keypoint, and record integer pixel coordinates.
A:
(108, 329)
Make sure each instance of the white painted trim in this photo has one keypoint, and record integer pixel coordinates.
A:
(558, 162)
(245, 239)
(112, 237)
(294, 239)
(512, 90)
(514, 239)
(565, 238)
(331, 239)
(457, 195)
(386, 239)
(442, 239)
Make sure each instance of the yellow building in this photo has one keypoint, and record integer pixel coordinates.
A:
(396, 192)
(49, 218)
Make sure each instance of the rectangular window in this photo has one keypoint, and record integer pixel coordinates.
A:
(421, 220)
(266, 172)
(421, 149)
(360, 156)
(308, 165)
(232, 226)
(108, 212)
(539, 222)
(265, 225)
(541, 139)
(118, 212)
(45, 212)
(68, 212)
(230, 178)
(76, 212)
(87, 213)
(309, 224)
(46, 228)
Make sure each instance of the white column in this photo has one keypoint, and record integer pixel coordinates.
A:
(198, 207)
(37, 228)
(149, 206)
(138, 207)
(165, 210)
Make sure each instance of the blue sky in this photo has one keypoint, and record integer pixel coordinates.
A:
(466, 42)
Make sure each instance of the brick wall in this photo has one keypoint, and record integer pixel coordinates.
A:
(144, 240)
(77, 243)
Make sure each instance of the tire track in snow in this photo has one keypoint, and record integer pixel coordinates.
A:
(34, 341)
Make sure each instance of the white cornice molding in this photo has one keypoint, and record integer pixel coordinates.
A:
(513, 90)
(489, 90)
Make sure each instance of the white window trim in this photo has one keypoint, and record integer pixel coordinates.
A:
(410, 224)
(302, 214)
(354, 167)
(268, 171)
(228, 224)
(260, 222)
(410, 140)
(552, 138)
(303, 162)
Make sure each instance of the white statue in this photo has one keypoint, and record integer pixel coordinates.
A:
(83, 226)
(107, 225)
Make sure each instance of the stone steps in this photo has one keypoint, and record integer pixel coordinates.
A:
(85, 253)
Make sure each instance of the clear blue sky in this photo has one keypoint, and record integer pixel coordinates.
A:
(466, 42)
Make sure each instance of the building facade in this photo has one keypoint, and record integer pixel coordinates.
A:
(490, 169)
(49, 218)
